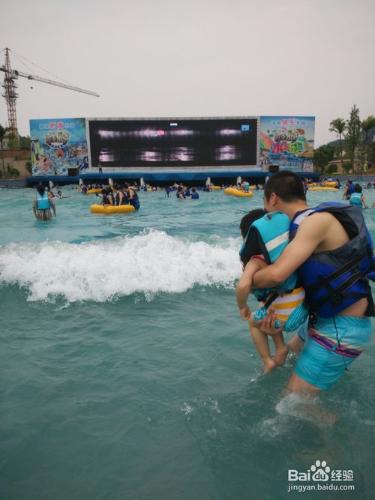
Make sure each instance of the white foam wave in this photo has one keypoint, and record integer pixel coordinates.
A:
(306, 408)
(148, 263)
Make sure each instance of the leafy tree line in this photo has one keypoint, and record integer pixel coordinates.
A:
(21, 142)
(13, 143)
(355, 150)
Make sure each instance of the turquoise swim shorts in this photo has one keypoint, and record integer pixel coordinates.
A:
(331, 345)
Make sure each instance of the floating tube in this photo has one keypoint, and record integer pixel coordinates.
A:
(111, 209)
(215, 188)
(238, 192)
(331, 184)
(322, 188)
(94, 191)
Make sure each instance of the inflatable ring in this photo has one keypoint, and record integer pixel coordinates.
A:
(238, 192)
(215, 188)
(332, 184)
(322, 188)
(111, 209)
(94, 191)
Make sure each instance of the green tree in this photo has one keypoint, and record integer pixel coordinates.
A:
(13, 140)
(25, 142)
(353, 133)
(322, 156)
(338, 126)
(12, 171)
(28, 166)
(371, 152)
(367, 125)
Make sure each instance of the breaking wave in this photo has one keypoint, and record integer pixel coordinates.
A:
(100, 271)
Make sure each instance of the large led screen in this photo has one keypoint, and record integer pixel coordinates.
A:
(173, 142)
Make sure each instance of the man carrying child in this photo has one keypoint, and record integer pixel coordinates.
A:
(332, 252)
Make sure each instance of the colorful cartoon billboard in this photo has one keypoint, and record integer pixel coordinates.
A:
(287, 141)
(58, 145)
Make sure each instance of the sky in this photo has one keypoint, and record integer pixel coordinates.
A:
(188, 58)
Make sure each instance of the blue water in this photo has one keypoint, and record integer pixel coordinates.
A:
(126, 372)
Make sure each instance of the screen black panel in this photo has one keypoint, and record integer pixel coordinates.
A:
(173, 142)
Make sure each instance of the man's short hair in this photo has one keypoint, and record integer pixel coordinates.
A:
(286, 185)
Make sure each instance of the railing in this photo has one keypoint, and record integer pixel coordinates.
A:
(13, 183)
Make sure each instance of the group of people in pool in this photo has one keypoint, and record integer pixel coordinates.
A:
(184, 192)
(311, 268)
(120, 195)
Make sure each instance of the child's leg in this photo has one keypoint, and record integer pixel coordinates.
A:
(281, 350)
(295, 344)
(261, 344)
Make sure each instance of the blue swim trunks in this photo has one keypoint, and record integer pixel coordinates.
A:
(330, 347)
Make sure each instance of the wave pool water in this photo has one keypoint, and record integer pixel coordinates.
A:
(126, 371)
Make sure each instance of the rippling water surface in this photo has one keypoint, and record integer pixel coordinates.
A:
(127, 373)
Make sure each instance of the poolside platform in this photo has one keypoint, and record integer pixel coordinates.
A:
(162, 178)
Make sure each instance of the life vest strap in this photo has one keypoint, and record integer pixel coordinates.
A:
(336, 274)
(271, 298)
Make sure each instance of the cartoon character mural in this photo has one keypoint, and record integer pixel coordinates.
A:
(287, 141)
(57, 145)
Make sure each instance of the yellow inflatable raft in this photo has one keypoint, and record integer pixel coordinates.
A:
(215, 188)
(322, 188)
(331, 184)
(110, 209)
(238, 192)
(94, 191)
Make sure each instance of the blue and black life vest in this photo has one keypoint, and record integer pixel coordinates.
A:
(42, 202)
(335, 279)
(268, 236)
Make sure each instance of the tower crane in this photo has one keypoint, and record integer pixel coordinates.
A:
(10, 90)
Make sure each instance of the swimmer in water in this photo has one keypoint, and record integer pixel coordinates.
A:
(43, 205)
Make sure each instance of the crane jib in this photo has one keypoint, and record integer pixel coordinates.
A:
(14, 74)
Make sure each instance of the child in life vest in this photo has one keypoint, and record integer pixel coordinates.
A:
(265, 237)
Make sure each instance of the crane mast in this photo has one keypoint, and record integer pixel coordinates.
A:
(10, 95)
(10, 92)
